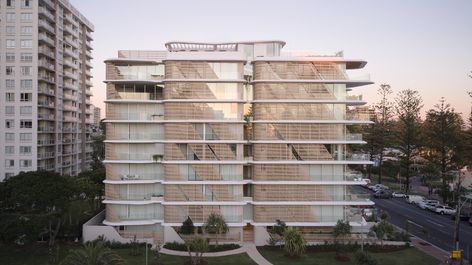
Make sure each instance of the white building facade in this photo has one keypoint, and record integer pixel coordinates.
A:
(45, 72)
(241, 129)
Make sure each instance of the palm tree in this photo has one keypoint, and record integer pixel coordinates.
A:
(93, 254)
(215, 224)
(295, 244)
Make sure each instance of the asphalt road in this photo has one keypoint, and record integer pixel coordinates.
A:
(439, 228)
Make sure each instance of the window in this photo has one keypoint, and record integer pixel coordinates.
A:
(9, 163)
(26, 57)
(26, 16)
(11, 44)
(10, 110)
(26, 124)
(10, 3)
(10, 83)
(26, 84)
(25, 70)
(25, 44)
(11, 17)
(26, 3)
(9, 97)
(10, 150)
(25, 150)
(26, 30)
(9, 70)
(10, 57)
(10, 30)
(26, 110)
(9, 124)
(25, 163)
(25, 137)
(9, 137)
(26, 97)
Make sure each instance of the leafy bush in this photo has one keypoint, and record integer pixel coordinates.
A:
(363, 258)
(212, 248)
(295, 244)
(187, 227)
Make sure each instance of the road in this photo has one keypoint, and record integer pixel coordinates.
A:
(439, 228)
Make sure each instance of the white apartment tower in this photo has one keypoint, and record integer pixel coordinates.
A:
(241, 129)
(45, 72)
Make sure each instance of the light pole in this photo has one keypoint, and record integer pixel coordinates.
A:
(146, 253)
(362, 230)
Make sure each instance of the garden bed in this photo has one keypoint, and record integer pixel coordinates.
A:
(211, 248)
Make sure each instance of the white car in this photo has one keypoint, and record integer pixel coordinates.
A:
(414, 199)
(398, 194)
(442, 209)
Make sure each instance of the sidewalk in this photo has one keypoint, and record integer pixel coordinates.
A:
(208, 254)
(254, 254)
(430, 249)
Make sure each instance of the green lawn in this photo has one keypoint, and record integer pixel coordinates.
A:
(400, 257)
(37, 255)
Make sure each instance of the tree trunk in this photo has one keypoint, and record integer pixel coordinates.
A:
(380, 166)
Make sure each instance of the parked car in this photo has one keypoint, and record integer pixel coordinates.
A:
(442, 209)
(383, 194)
(428, 204)
(398, 194)
(414, 199)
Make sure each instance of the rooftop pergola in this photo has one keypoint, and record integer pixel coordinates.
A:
(180, 46)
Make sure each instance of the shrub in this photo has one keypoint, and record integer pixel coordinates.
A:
(187, 227)
(211, 248)
(295, 244)
(363, 258)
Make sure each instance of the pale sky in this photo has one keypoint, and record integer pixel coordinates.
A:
(424, 45)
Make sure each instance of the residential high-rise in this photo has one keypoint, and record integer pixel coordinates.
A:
(240, 129)
(96, 116)
(45, 65)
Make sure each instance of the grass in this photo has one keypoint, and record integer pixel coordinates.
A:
(37, 254)
(399, 257)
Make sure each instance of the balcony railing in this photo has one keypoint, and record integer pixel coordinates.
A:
(354, 137)
(46, 142)
(354, 97)
(46, 129)
(42, 116)
(46, 51)
(45, 155)
(142, 176)
(45, 12)
(46, 39)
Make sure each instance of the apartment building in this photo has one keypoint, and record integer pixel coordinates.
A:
(241, 129)
(45, 72)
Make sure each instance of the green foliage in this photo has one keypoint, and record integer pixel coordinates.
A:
(445, 140)
(196, 247)
(295, 244)
(215, 224)
(381, 230)
(93, 254)
(187, 227)
(37, 192)
(364, 258)
(276, 233)
(211, 248)
(407, 134)
(342, 228)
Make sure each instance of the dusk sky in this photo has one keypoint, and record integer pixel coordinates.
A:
(422, 45)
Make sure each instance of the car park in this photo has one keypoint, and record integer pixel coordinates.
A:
(443, 209)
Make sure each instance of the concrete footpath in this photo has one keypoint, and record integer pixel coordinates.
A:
(250, 249)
